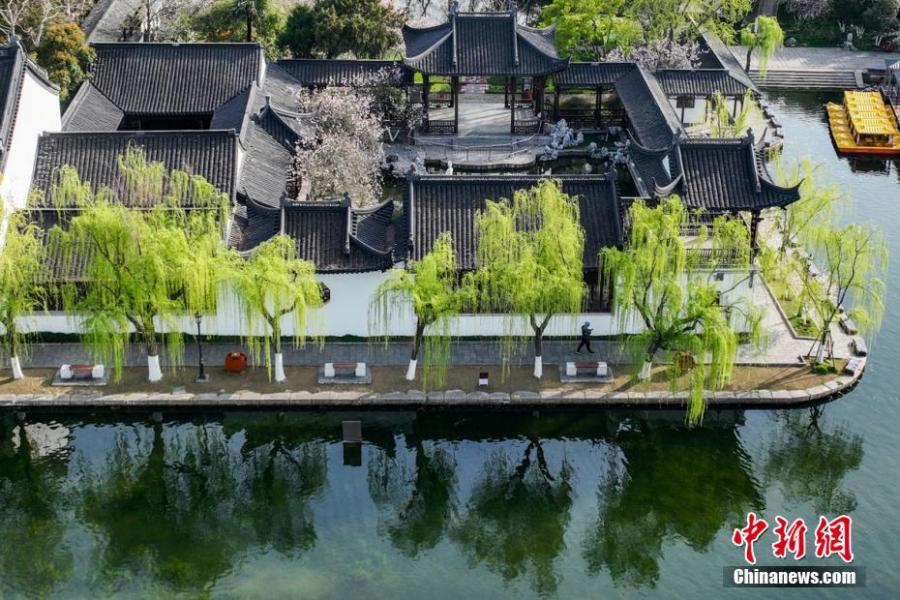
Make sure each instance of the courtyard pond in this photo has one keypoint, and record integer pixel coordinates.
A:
(438, 504)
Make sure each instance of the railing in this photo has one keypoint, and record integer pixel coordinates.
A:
(485, 153)
(527, 126)
(440, 126)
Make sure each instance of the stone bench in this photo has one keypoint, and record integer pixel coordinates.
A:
(848, 325)
(597, 371)
(855, 366)
(859, 347)
(80, 375)
(344, 372)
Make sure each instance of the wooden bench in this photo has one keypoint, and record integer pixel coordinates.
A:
(587, 369)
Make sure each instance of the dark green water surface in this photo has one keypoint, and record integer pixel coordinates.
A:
(458, 505)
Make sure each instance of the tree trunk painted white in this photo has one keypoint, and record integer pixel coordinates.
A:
(411, 370)
(644, 375)
(820, 353)
(153, 368)
(279, 367)
(16, 367)
(538, 367)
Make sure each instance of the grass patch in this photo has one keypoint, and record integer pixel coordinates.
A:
(790, 305)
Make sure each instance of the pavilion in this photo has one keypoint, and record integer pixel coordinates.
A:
(715, 176)
(485, 45)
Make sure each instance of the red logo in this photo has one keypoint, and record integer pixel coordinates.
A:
(832, 537)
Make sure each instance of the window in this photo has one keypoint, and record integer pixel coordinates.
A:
(685, 102)
(135, 122)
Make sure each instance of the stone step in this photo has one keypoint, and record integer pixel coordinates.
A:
(806, 79)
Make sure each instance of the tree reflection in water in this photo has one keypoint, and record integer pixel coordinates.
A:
(34, 559)
(421, 511)
(810, 460)
(516, 519)
(188, 507)
(671, 482)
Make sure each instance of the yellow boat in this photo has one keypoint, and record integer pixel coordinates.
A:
(864, 124)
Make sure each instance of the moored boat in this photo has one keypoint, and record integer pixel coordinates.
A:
(864, 124)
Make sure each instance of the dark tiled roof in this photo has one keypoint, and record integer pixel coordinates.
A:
(586, 74)
(482, 44)
(339, 72)
(266, 167)
(340, 239)
(233, 114)
(252, 224)
(724, 58)
(719, 176)
(90, 110)
(334, 236)
(650, 114)
(168, 79)
(434, 204)
(207, 153)
(700, 82)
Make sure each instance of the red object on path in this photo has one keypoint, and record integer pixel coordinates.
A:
(235, 362)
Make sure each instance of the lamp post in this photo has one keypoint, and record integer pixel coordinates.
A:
(202, 377)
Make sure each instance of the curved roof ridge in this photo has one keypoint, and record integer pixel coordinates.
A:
(666, 190)
(431, 48)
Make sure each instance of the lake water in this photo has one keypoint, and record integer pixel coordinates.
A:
(457, 505)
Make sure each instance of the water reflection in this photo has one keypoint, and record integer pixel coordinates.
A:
(669, 483)
(809, 460)
(516, 519)
(34, 560)
(180, 507)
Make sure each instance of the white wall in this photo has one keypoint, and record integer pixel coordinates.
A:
(38, 112)
(347, 313)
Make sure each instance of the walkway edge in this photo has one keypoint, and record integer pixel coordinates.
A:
(438, 399)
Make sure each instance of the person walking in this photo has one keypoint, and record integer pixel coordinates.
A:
(585, 338)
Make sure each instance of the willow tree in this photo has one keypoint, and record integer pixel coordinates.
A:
(271, 285)
(853, 260)
(145, 255)
(664, 284)
(818, 204)
(764, 35)
(530, 257)
(429, 285)
(23, 281)
(722, 125)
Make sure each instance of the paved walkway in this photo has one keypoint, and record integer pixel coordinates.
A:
(780, 348)
(818, 59)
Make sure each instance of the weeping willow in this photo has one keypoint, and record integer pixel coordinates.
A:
(818, 205)
(854, 260)
(765, 35)
(663, 282)
(23, 283)
(430, 287)
(720, 123)
(530, 262)
(270, 285)
(139, 257)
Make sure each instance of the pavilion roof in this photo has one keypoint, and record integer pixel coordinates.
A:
(718, 176)
(482, 44)
(592, 74)
(650, 114)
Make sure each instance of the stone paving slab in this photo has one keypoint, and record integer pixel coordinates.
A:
(443, 398)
